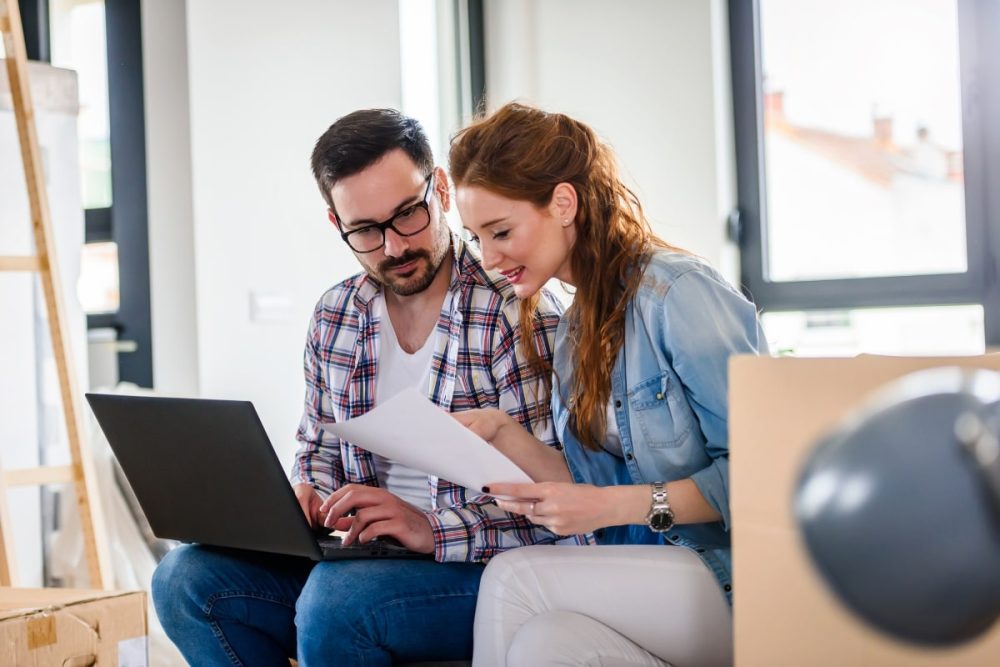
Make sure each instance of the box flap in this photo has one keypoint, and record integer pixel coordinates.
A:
(16, 602)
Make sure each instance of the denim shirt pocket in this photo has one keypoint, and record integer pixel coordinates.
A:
(660, 410)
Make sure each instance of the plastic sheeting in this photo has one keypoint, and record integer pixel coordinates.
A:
(134, 550)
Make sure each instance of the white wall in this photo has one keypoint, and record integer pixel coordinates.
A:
(652, 77)
(171, 215)
(237, 92)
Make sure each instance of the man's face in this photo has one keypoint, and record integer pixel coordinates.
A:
(405, 264)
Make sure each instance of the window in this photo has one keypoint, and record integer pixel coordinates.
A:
(102, 42)
(862, 153)
(97, 287)
(79, 43)
(938, 330)
(442, 67)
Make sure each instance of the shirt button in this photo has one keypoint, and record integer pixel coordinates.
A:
(659, 395)
(629, 457)
(674, 538)
(618, 404)
(727, 588)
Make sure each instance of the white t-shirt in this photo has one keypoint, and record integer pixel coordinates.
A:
(399, 370)
(612, 438)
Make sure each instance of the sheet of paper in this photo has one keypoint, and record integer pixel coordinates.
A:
(411, 430)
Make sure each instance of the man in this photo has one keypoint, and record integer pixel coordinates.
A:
(423, 314)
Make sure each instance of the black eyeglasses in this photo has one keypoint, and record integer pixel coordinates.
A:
(409, 222)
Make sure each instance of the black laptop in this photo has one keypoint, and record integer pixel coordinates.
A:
(204, 471)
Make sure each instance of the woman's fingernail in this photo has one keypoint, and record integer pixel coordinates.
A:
(486, 489)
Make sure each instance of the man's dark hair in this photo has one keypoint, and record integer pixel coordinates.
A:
(360, 139)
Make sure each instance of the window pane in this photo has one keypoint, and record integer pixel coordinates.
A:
(421, 93)
(937, 330)
(79, 43)
(97, 287)
(862, 139)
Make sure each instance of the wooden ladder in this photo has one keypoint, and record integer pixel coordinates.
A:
(81, 469)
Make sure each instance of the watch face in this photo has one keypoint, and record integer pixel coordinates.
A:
(661, 520)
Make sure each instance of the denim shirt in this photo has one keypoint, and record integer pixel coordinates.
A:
(670, 397)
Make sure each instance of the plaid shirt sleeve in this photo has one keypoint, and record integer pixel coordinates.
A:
(475, 529)
(317, 461)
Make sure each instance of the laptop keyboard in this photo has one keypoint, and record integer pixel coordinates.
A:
(374, 548)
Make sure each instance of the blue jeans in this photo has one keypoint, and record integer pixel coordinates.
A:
(229, 607)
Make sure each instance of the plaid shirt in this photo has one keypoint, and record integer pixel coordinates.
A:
(476, 364)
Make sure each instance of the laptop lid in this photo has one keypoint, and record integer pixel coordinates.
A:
(205, 471)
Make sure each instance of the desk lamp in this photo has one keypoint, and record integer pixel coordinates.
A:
(899, 508)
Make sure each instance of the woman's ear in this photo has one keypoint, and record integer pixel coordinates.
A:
(442, 187)
(564, 204)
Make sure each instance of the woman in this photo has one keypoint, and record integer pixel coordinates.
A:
(639, 402)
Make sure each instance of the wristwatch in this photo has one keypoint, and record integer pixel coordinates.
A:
(660, 518)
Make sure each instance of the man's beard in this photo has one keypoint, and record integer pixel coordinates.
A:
(418, 281)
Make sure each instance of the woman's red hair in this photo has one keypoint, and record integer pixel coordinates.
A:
(522, 153)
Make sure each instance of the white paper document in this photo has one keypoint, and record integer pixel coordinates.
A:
(411, 430)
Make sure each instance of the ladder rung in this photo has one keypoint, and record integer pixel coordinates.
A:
(38, 476)
(27, 263)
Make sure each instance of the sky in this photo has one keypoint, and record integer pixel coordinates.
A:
(840, 62)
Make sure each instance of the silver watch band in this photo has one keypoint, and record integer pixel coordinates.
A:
(659, 493)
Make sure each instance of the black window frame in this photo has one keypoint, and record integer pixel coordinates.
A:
(979, 28)
(477, 55)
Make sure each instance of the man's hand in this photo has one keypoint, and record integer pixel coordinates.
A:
(377, 513)
(310, 503)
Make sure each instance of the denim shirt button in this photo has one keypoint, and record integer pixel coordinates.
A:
(727, 587)
(629, 457)
(618, 404)
(659, 395)
(674, 538)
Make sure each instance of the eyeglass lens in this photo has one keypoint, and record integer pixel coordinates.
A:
(409, 222)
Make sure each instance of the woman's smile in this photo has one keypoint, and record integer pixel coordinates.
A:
(513, 275)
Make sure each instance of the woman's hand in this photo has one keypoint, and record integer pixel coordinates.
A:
(487, 423)
(541, 462)
(564, 508)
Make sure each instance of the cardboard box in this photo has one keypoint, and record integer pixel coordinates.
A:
(783, 613)
(72, 628)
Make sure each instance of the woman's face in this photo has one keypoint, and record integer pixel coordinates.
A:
(527, 244)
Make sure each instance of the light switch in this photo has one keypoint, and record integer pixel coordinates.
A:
(270, 307)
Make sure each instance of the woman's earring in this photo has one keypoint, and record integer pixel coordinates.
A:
(566, 222)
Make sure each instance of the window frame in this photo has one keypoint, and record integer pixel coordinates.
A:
(129, 209)
(979, 26)
(477, 55)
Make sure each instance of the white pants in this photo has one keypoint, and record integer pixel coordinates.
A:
(601, 606)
